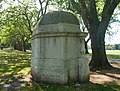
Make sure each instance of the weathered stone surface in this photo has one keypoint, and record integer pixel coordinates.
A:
(56, 17)
(58, 51)
(61, 27)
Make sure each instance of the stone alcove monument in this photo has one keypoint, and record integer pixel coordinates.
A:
(58, 50)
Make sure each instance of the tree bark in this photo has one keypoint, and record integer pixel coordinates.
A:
(99, 59)
(86, 48)
(86, 45)
(24, 45)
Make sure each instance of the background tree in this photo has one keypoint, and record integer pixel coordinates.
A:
(117, 46)
(18, 22)
(97, 26)
(14, 29)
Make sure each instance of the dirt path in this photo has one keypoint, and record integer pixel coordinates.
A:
(112, 75)
(107, 75)
(114, 60)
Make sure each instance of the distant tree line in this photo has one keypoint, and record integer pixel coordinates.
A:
(113, 47)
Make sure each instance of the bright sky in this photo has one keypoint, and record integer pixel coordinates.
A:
(115, 39)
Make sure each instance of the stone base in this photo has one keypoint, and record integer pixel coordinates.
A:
(61, 72)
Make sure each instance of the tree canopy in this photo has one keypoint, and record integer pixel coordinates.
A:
(18, 21)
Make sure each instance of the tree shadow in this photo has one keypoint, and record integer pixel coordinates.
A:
(106, 86)
(114, 72)
(13, 62)
(10, 82)
(14, 65)
(89, 86)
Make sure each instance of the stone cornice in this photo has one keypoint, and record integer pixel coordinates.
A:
(59, 34)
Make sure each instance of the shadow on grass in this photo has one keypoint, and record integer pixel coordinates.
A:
(111, 86)
(15, 65)
(10, 83)
(114, 72)
(108, 86)
(12, 62)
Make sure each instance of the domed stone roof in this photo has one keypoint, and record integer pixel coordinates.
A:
(56, 17)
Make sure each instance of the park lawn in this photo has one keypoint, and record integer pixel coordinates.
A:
(113, 53)
(14, 63)
(15, 66)
(110, 53)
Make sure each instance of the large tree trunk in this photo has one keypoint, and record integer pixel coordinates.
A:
(99, 59)
(96, 27)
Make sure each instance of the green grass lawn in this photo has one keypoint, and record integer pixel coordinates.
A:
(83, 87)
(110, 53)
(16, 64)
(113, 53)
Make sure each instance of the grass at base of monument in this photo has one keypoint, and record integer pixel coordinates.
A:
(108, 86)
(17, 64)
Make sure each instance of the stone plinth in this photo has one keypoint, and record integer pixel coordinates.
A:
(58, 50)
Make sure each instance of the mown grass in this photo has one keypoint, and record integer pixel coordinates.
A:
(17, 63)
(113, 54)
(110, 53)
(112, 86)
(14, 63)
